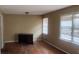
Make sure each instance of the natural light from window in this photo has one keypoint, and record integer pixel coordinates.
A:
(45, 26)
(69, 28)
(65, 27)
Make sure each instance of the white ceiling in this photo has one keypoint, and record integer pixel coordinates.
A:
(33, 9)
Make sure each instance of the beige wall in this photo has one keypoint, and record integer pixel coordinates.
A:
(14, 24)
(53, 30)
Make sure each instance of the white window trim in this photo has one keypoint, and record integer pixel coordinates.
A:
(70, 41)
(43, 28)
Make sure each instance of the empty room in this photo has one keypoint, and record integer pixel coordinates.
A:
(39, 29)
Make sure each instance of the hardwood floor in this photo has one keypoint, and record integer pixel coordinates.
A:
(37, 48)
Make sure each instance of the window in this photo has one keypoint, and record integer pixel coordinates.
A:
(76, 28)
(66, 27)
(69, 28)
(45, 25)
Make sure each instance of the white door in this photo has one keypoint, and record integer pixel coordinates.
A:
(1, 32)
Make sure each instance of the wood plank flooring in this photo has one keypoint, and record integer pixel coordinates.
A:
(37, 48)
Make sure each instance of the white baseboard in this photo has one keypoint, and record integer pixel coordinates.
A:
(56, 46)
(9, 41)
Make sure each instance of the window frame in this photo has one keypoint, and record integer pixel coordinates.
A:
(43, 27)
(72, 29)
